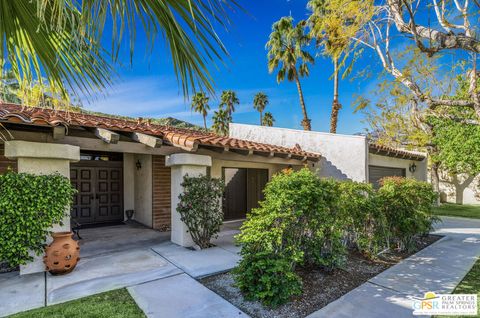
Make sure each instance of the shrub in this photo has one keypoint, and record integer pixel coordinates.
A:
(295, 224)
(367, 228)
(29, 206)
(407, 205)
(200, 208)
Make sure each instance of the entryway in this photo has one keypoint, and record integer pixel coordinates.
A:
(98, 178)
(243, 190)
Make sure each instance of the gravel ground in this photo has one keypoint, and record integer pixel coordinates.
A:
(319, 287)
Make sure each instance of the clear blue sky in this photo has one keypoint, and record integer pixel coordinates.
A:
(148, 88)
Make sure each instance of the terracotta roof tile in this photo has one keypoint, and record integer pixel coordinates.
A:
(395, 152)
(187, 139)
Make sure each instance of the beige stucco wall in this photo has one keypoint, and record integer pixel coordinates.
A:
(128, 182)
(384, 161)
(143, 190)
(218, 164)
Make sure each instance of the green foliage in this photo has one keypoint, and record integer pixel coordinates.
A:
(295, 224)
(200, 208)
(221, 119)
(200, 105)
(367, 227)
(407, 205)
(268, 119)
(29, 206)
(267, 277)
(306, 220)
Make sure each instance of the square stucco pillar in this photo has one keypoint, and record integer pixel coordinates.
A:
(182, 164)
(40, 159)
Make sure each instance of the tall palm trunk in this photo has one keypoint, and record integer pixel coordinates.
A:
(335, 105)
(261, 121)
(305, 122)
(205, 121)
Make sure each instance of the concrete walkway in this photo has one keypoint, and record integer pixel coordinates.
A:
(438, 268)
(129, 256)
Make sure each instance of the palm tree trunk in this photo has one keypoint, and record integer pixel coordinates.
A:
(205, 122)
(305, 122)
(335, 105)
(261, 121)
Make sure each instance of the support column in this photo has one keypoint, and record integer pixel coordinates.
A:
(182, 164)
(40, 159)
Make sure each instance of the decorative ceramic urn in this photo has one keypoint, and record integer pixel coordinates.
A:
(62, 255)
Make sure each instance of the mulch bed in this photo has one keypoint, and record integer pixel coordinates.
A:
(319, 287)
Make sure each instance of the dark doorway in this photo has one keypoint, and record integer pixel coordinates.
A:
(375, 173)
(243, 190)
(99, 183)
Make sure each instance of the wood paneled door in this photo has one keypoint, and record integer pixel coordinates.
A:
(100, 193)
(243, 190)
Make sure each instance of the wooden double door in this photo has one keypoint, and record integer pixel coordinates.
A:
(243, 190)
(100, 192)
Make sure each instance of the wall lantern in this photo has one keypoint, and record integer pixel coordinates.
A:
(138, 164)
(412, 168)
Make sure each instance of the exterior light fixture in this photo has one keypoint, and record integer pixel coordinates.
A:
(412, 168)
(138, 164)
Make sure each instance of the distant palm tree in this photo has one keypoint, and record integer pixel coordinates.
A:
(200, 105)
(221, 119)
(286, 52)
(260, 101)
(268, 119)
(228, 100)
(333, 24)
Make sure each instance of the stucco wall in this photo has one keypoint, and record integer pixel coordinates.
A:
(218, 164)
(344, 156)
(143, 190)
(128, 182)
(384, 161)
(460, 189)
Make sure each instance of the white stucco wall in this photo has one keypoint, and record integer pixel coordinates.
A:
(344, 156)
(461, 189)
(384, 161)
(128, 182)
(143, 190)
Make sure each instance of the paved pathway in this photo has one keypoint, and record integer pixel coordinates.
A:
(438, 268)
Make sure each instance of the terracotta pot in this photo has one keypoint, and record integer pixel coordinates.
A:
(62, 255)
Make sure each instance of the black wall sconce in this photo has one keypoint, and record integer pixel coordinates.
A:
(412, 168)
(138, 164)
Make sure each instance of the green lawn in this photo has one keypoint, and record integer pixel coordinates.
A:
(112, 304)
(450, 209)
(469, 285)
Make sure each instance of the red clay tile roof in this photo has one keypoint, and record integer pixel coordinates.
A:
(395, 152)
(184, 138)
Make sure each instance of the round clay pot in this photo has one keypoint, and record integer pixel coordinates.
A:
(62, 255)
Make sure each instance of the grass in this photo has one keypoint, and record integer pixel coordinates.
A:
(469, 285)
(466, 210)
(112, 304)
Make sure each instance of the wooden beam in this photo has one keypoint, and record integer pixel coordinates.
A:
(58, 132)
(147, 140)
(106, 135)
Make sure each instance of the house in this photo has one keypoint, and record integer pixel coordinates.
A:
(119, 165)
(344, 157)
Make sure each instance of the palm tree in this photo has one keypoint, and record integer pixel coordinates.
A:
(333, 24)
(286, 52)
(260, 101)
(221, 119)
(228, 100)
(61, 39)
(268, 119)
(200, 105)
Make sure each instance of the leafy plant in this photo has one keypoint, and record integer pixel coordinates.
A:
(200, 207)
(367, 228)
(407, 205)
(29, 206)
(295, 224)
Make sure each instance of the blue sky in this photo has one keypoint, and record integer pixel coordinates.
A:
(148, 87)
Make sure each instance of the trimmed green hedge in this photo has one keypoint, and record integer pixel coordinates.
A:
(307, 220)
(29, 206)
